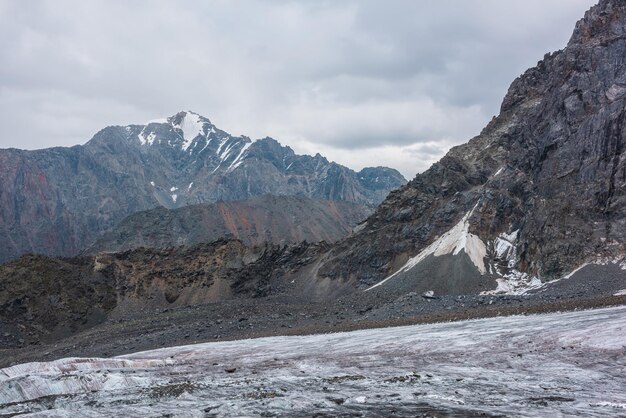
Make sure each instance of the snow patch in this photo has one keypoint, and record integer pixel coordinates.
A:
(453, 242)
(152, 183)
(499, 171)
(239, 159)
(174, 197)
(189, 187)
(192, 126)
(576, 270)
(511, 281)
(224, 155)
(222, 143)
(620, 293)
(173, 189)
(515, 283)
(146, 140)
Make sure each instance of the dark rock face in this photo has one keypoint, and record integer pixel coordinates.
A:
(59, 200)
(551, 166)
(268, 218)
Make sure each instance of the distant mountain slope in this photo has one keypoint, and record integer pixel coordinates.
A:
(276, 219)
(540, 192)
(57, 201)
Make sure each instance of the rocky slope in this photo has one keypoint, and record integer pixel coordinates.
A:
(45, 299)
(275, 219)
(57, 201)
(148, 298)
(540, 192)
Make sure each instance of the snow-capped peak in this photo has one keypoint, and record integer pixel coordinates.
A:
(187, 125)
(192, 125)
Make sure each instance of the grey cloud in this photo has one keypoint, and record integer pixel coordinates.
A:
(351, 75)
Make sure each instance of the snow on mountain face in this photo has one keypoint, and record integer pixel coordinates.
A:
(496, 258)
(192, 126)
(237, 161)
(502, 264)
(186, 125)
(127, 169)
(505, 366)
(146, 140)
(452, 242)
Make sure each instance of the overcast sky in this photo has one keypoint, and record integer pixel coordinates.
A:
(391, 82)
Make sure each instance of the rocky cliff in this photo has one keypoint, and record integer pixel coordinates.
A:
(540, 192)
(276, 219)
(57, 201)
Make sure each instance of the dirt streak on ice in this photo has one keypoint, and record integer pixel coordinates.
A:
(563, 363)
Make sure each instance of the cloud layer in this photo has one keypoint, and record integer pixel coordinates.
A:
(393, 83)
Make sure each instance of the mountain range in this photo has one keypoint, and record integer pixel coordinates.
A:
(58, 201)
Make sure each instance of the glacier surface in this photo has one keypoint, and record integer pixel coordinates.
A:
(553, 364)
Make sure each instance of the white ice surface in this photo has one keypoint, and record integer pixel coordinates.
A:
(560, 364)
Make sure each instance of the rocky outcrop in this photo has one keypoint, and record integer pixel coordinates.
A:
(276, 219)
(57, 201)
(46, 299)
(543, 187)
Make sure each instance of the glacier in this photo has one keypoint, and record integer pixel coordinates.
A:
(554, 364)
